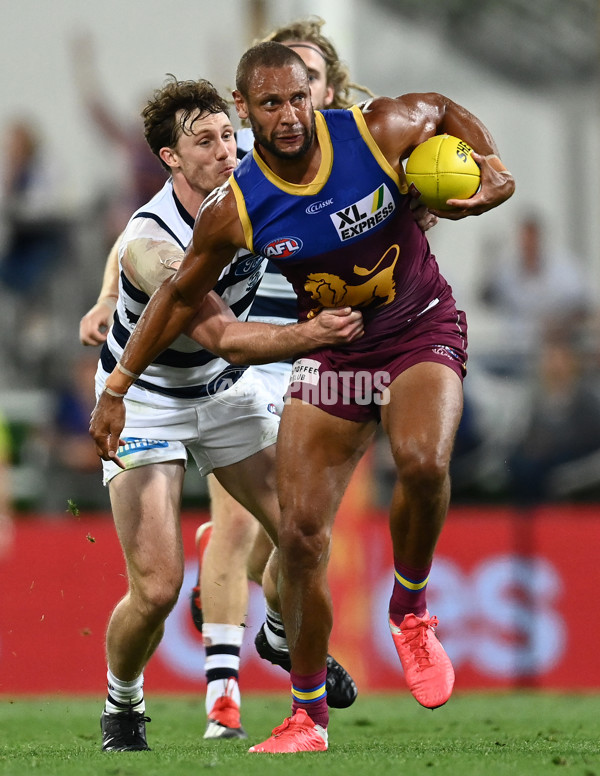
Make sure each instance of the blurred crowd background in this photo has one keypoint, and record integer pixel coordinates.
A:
(74, 166)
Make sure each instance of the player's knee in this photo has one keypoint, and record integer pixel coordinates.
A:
(304, 542)
(261, 551)
(157, 594)
(241, 528)
(424, 469)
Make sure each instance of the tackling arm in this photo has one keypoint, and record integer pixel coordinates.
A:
(217, 329)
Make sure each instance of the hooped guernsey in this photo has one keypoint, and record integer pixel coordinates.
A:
(185, 371)
(348, 238)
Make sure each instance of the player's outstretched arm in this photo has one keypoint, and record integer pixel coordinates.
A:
(252, 342)
(164, 318)
(93, 327)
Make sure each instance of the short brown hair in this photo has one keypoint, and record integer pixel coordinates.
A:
(161, 125)
(266, 54)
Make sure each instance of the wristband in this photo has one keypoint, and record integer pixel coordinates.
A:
(108, 300)
(124, 371)
(499, 167)
(116, 395)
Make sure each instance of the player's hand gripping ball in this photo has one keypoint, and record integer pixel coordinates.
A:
(442, 168)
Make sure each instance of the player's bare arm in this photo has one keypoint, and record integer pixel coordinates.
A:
(399, 125)
(217, 329)
(147, 263)
(93, 327)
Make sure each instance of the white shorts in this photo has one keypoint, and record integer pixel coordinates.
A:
(275, 377)
(218, 431)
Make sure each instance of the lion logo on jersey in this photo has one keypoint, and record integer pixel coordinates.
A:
(332, 291)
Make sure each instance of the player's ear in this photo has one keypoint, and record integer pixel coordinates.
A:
(240, 104)
(329, 95)
(168, 156)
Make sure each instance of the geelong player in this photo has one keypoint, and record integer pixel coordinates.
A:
(189, 399)
(233, 547)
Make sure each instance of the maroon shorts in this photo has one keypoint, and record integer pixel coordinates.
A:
(352, 384)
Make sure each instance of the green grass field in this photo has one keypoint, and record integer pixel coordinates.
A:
(474, 735)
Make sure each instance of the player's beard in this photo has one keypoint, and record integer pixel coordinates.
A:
(274, 149)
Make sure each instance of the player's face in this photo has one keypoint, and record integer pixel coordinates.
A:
(280, 110)
(320, 92)
(205, 152)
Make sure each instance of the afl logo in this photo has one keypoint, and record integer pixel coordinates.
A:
(282, 248)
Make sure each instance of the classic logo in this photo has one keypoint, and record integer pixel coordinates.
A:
(316, 207)
(364, 215)
(282, 248)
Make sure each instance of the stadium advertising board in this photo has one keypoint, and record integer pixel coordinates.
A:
(511, 592)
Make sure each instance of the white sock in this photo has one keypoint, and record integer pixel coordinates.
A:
(124, 694)
(274, 630)
(220, 687)
(222, 644)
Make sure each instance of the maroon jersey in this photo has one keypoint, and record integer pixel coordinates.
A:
(349, 239)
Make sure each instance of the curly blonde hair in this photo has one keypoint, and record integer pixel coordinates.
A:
(338, 76)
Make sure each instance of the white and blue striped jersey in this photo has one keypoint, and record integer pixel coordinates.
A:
(185, 371)
(275, 300)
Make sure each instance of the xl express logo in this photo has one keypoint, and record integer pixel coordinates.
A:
(282, 247)
(364, 215)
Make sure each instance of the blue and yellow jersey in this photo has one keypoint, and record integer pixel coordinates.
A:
(348, 237)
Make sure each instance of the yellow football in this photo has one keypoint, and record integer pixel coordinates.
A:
(442, 168)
